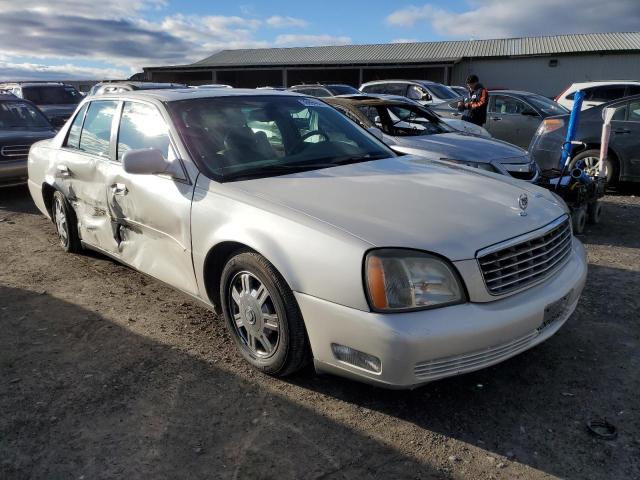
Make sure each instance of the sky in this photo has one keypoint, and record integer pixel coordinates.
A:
(78, 39)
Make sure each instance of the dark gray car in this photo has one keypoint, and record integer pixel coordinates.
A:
(623, 160)
(512, 116)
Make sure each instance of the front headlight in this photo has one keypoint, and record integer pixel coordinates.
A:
(398, 279)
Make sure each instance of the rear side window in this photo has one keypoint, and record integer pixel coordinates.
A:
(634, 111)
(621, 113)
(605, 93)
(633, 90)
(97, 128)
(73, 139)
(142, 126)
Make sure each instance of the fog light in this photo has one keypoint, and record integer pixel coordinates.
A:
(356, 358)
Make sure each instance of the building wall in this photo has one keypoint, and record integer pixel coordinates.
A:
(534, 74)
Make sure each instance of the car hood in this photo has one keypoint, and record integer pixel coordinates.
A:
(412, 202)
(23, 137)
(459, 146)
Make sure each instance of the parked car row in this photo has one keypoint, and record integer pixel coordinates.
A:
(313, 238)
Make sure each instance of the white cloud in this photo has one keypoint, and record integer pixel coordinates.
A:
(293, 40)
(515, 18)
(35, 71)
(277, 21)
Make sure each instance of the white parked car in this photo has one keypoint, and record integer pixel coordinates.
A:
(318, 242)
(597, 93)
(423, 91)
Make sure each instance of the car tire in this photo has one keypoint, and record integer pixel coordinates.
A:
(594, 212)
(64, 218)
(591, 156)
(579, 219)
(262, 315)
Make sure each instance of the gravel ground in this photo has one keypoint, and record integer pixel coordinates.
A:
(106, 373)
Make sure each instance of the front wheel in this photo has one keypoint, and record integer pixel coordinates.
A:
(65, 221)
(262, 315)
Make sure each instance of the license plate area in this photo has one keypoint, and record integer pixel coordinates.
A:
(555, 311)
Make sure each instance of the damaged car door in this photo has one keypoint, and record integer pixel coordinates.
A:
(78, 171)
(150, 213)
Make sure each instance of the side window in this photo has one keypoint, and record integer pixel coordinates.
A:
(73, 138)
(633, 90)
(96, 131)
(508, 105)
(621, 113)
(395, 89)
(349, 114)
(371, 113)
(142, 126)
(606, 93)
(634, 111)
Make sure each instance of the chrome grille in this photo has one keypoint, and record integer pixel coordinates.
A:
(527, 262)
(15, 151)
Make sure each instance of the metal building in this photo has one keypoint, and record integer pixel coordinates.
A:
(541, 64)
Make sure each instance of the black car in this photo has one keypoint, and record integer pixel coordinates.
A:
(56, 100)
(21, 125)
(623, 159)
(326, 90)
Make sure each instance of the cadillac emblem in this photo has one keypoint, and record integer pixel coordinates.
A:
(523, 203)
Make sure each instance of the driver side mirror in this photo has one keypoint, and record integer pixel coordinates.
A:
(57, 122)
(146, 161)
(426, 96)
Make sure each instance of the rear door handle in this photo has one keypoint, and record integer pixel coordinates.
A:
(497, 119)
(119, 189)
(63, 171)
(622, 130)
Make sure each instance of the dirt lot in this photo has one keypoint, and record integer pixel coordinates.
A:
(105, 373)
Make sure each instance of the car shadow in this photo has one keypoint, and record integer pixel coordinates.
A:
(82, 397)
(534, 407)
(16, 200)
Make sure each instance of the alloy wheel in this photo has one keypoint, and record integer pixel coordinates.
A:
(255, 319)
(61, 221)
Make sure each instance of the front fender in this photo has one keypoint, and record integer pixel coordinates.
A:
(313, 257)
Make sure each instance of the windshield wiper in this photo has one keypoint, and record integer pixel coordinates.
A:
(285, 169)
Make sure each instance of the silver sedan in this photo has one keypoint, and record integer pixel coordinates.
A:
(312, 238)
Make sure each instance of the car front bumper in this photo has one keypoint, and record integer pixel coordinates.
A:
(418, 347)
(13, 172)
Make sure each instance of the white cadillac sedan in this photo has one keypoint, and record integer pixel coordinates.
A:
(311, 237)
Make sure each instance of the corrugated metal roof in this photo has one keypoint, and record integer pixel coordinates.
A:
(424, 52)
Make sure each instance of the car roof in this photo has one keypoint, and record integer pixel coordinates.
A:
(141, 85)
(402, 80)
(365, 99)
(34, 84)
(176, 94)
(606, 82)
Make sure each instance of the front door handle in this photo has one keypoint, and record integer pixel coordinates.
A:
(119, 189)
(497, 119)
(63, 171)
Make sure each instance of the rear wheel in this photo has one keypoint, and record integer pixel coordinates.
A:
(65, 221)
(262, 315)
(589, 161)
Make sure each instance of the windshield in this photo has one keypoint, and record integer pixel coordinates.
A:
(441, 91)
(52, 95)
(343, 90)
(21, 115)
(403, 120)
(546, 106)
(244, 137)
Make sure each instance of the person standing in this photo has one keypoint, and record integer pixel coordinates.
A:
(475, 107)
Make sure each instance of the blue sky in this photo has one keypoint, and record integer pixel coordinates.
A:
(67, 39)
